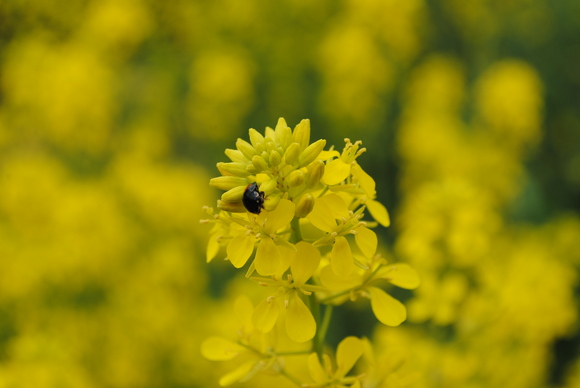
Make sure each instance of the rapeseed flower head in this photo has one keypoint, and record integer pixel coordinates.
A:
(275, 185)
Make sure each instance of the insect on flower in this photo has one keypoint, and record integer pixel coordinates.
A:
(253, 199)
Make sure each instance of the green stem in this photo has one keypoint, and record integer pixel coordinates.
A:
(290, 377)
(324, 325)
(297, 235)
(315, 309)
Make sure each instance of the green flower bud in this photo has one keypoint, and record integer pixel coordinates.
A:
(227, 182)
(235, 155)
(283, 133)
(233, 168)
(275, 159)
(315, 173)
(301, 134)
(266, 156)
(233, 207)
(311, 152)
(285, 137)
(292, 153)
(246, 148)
(269, 186)
(257, 140)
(259, 163)
(271, 202)
(296, 178)
(252, 170)
(304, 206)
(234, 195)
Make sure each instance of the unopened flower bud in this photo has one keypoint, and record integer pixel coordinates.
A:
(233, 207)
(315, 173)
(269, 186)
(311, 152)
(275, 159)
(227, 182)
(283, 133)
(234, 195)
(292, 153)
(257, 140)
(235, 155)
(296, 178)
(259, 163)
(246, 148)
(304, 206)
(271, 202)
(266, 156)
(301, 134)
(233, 168)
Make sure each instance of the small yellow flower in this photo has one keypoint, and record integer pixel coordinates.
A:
(387, 309)
(337, 170)
(331, 215)
(325, 374)
(263, 231)
(253, 350)
(300, 325)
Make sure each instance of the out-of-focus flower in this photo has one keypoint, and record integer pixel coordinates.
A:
(326, 374)
(253, 351)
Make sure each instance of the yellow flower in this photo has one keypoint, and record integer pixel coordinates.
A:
(325, 374)
(331, 215)
(300, 325)
(387, 309)
(337, 170)
(263, 231)
(252, 352)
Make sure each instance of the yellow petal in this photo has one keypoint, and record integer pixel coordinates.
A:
(287, 252)
(365, 180)
(341, 259)
(326, 155)
(367, 241)
(348, 352)
(240, 249)
(300, 324)
(338, 283)
(379, 212)
(265, 315)
(316, 370)
(220, 349)
(279, 217)
(401, 275)
(237, 374)
(268, 259)
(387, 309)
(337, 205)
(322, 216)
(335, 172)
(213, 247)
(305, 262)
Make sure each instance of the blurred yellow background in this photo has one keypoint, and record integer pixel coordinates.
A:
(113, 114)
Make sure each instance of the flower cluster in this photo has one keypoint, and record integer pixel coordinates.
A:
(296, 212)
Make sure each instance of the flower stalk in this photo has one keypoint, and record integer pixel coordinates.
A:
(294, 215)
